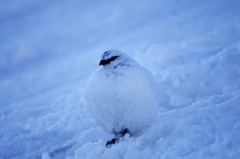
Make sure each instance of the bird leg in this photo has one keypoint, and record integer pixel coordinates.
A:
(117, 137)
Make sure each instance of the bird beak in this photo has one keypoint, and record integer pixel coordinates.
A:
(102, 62)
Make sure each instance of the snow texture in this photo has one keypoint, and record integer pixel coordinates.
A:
(121, 95)
(49, 49)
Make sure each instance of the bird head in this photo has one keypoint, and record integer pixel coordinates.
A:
(113, 58)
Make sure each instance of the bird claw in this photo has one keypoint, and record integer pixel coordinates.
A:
(110, 142)
(125, 131)
(117, 137)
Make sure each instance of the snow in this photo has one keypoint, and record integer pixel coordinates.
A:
(49, 49)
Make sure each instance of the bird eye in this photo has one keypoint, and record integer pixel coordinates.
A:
(106, 53)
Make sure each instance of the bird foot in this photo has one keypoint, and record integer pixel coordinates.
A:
(110, 142)
(117, 137)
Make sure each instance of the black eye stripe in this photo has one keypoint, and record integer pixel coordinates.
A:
(104, 62)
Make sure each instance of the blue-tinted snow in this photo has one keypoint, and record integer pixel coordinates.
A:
(49, 49)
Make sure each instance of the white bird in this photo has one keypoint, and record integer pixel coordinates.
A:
(120, 96)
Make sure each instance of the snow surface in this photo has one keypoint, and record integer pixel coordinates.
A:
(49, 49)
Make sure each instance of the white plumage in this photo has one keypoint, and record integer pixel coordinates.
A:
(121, 95)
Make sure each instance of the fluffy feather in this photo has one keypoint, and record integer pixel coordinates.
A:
(121, 95)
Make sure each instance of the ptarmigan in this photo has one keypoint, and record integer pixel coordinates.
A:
(120, 96)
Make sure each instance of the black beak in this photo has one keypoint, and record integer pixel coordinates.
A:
(102, 62)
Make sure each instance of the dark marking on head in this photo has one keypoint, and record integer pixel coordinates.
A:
(106, 53)
(104, 62)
